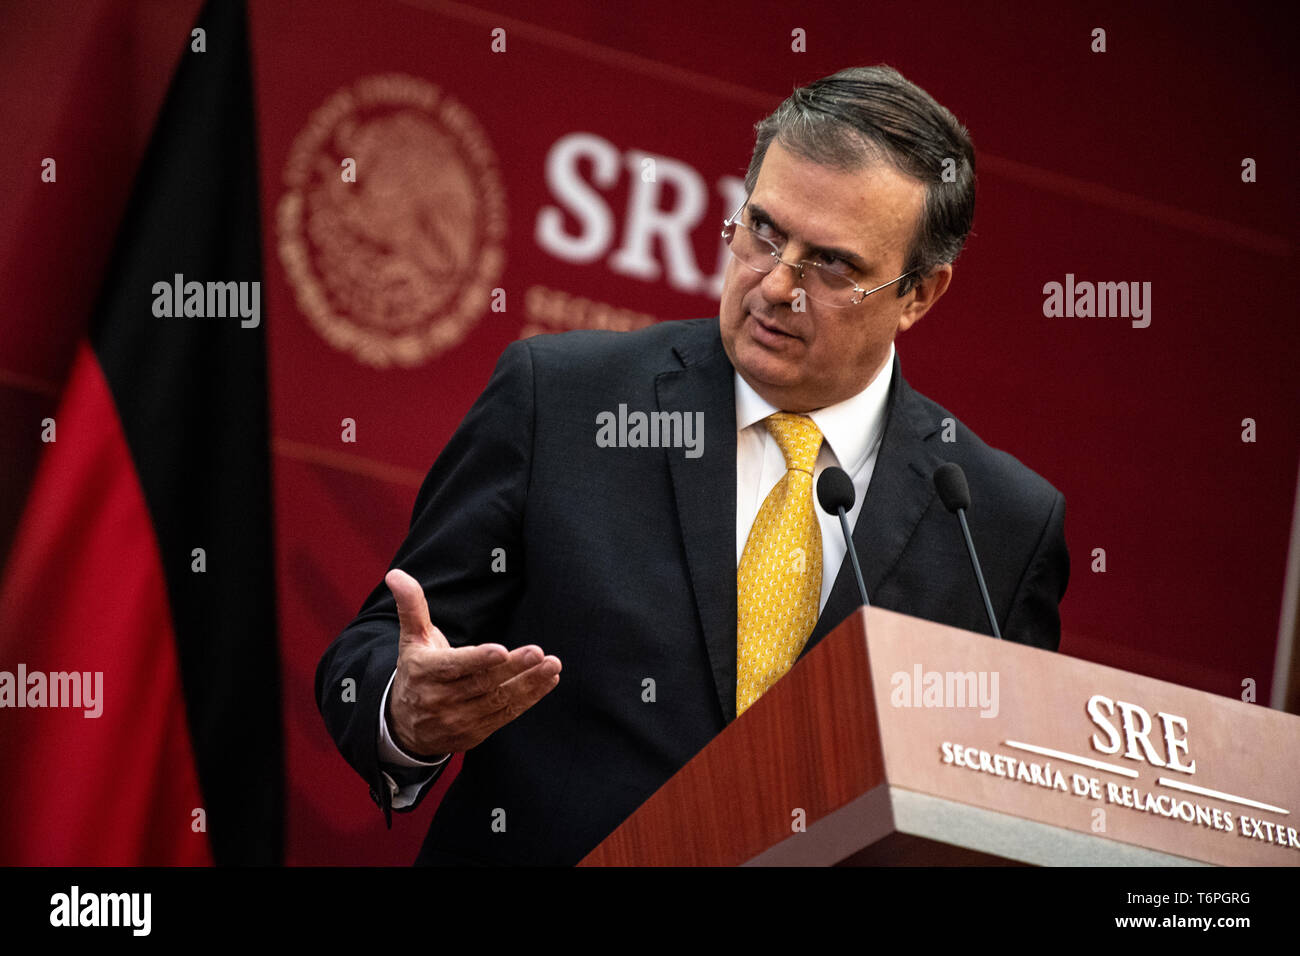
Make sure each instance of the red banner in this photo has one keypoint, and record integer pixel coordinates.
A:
(439, 179)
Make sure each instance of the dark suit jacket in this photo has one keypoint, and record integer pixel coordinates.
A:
(621, 561)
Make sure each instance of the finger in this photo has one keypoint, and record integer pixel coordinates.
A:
(488, 679)
(451, 665)
(516, 695)
(412, 610)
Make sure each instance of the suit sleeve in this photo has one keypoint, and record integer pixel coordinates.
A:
(1035, 616)
(470, 504)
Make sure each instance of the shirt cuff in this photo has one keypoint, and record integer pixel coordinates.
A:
(389, 752)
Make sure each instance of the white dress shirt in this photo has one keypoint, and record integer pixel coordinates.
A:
(852, 430)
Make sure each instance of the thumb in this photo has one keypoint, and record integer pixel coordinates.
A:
(412, 609)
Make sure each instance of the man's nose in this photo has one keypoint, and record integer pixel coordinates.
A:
(782, 283)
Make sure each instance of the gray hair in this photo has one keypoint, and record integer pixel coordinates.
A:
(870, 114)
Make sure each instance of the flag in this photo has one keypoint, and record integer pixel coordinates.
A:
(137, 604)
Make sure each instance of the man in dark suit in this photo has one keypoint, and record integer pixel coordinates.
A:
(638, 506)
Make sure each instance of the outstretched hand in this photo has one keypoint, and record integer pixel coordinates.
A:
(448, 699)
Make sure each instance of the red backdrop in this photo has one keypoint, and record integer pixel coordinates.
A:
(1116, 166)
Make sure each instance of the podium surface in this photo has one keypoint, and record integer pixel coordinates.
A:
(898, 740)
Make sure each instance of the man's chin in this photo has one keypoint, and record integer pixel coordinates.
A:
(764, 371)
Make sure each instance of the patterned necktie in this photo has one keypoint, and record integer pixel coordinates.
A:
(779, 581)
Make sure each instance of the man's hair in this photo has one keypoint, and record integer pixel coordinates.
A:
(869, 114)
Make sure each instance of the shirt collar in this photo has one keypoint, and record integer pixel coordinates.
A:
(851, 427)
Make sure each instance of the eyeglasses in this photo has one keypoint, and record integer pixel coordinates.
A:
(827, 283)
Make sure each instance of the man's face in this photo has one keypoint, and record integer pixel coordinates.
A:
(804, 360)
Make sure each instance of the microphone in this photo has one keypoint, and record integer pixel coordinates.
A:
(950, 482)
(835, 493)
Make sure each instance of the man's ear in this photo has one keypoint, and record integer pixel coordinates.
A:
(927, 292)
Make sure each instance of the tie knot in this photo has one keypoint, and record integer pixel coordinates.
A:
(799, 437)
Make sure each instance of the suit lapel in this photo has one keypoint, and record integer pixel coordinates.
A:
(898, 496)
(705, 492)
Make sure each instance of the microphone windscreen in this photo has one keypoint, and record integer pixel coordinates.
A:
(950, 481)
(835, 490)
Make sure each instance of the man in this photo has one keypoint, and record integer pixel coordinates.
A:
(601, 601)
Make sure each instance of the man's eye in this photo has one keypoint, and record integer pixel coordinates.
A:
(833, 263)
(764, 229)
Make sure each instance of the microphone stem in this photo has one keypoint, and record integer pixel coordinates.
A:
(853, 556)
(979, 575)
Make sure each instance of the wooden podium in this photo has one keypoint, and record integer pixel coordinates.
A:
(902, 741)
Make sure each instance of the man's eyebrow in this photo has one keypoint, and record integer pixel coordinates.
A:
(848, 255)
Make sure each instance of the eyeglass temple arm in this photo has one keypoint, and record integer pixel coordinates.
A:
(865, 292)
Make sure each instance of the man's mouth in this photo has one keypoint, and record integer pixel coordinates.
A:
(771, 327)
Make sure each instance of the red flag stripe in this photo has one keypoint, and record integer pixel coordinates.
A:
(84, 591)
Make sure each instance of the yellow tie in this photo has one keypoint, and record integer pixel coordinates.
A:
(779, 581)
